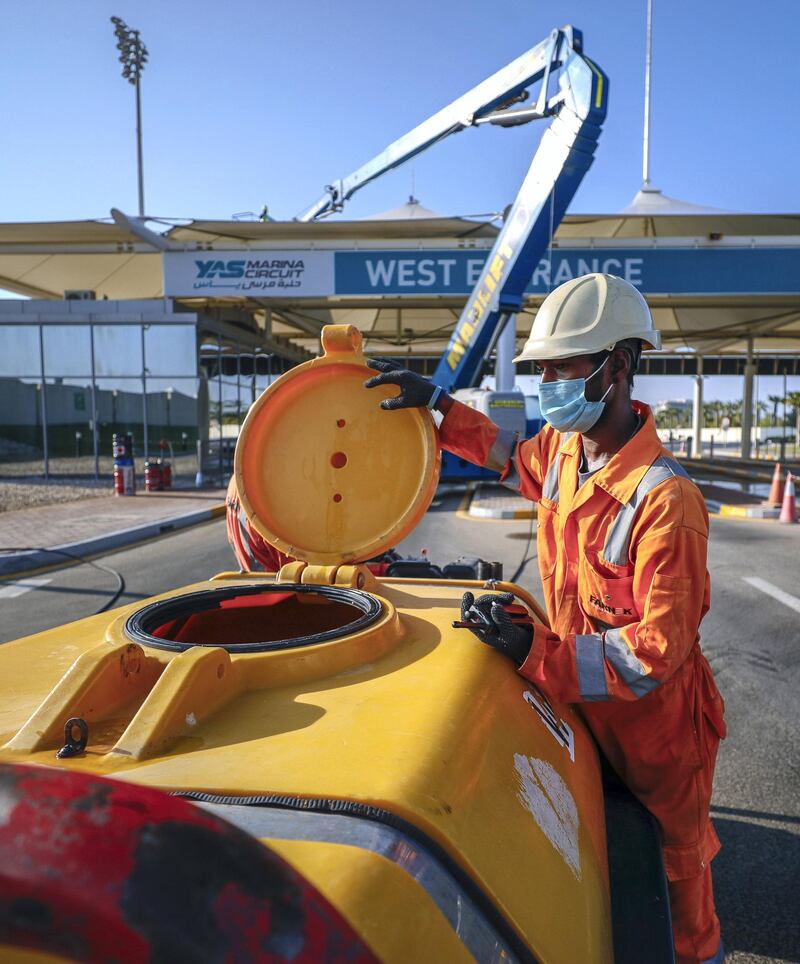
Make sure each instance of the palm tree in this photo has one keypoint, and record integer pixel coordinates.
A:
(776, 400)
(668, 417)
(733, 410)
(793, 399)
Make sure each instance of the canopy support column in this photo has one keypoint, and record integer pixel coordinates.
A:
(747, 401)
(43, 386)
(697, 411)
(504, 373)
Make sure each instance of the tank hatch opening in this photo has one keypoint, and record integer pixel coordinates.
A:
(253, 619)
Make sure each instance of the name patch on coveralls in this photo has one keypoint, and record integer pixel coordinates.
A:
(611, 610)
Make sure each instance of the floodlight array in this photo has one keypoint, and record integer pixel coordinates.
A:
(132, 52)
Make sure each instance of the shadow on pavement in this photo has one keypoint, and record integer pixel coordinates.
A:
(756, 885)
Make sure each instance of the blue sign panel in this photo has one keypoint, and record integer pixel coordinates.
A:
(687, 271)
(407, 272)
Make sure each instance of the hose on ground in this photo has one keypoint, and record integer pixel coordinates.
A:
(81, 560)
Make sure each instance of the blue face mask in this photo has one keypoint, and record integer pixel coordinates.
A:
(565, 406)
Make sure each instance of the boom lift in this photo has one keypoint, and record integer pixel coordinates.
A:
(577, 108)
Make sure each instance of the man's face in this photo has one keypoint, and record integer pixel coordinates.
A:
(578, 366)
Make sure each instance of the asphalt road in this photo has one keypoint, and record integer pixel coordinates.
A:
(751, 639)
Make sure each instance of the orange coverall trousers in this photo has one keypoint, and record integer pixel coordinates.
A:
(623, 567)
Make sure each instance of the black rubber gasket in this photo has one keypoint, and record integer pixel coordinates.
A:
(379, 815)
(139, 626)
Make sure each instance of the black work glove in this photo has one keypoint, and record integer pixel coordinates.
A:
(493, 624)
(415, 391)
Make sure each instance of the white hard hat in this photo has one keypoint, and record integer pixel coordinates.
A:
(587, 315)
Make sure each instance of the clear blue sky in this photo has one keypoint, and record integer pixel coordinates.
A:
(248, 102)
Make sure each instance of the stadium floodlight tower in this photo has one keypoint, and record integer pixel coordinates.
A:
(133, 57)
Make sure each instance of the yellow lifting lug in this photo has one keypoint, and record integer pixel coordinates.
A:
(193, 686)
(101, 683)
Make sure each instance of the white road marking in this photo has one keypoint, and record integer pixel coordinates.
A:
(793, 602)
(16, 587)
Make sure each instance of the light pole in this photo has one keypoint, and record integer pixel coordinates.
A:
(133, 57)
(648, 69)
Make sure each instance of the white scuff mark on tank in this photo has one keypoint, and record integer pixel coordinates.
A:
(545, 795)
(191, 719)
(361, 669)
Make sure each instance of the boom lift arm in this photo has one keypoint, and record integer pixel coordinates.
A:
(564, 155)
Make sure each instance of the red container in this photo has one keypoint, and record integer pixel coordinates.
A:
(124, 480)
(153, 476)
(166, 475)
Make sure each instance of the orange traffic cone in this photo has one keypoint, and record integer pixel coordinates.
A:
(776, 490)
(789, 508)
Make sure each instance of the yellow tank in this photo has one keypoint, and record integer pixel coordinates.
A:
(436, 798)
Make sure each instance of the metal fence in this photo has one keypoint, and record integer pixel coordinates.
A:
(74, 373)
(67, 386)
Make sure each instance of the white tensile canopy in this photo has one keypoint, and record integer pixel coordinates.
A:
(122, 259)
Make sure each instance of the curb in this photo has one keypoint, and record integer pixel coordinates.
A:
(37, 559)
(754, 473)
(743, 511)
(487, 512)
(750, 511)
(477, 510)
(714, 506)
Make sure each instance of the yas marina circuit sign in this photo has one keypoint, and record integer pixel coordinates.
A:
(253, 274)
(310, 273)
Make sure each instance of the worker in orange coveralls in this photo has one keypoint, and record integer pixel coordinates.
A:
(622, 545)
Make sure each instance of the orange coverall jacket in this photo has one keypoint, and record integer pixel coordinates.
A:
(623, 567)
(253, 553)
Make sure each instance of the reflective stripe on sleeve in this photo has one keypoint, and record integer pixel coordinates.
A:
(632, 672)
(591, 672)
(512, 480)
(501, 450)
(618, 539)
(550, 487)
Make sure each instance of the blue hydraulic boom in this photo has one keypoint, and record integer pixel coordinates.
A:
(577, 105)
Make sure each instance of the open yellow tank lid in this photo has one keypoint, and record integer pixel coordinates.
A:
(324, 473)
